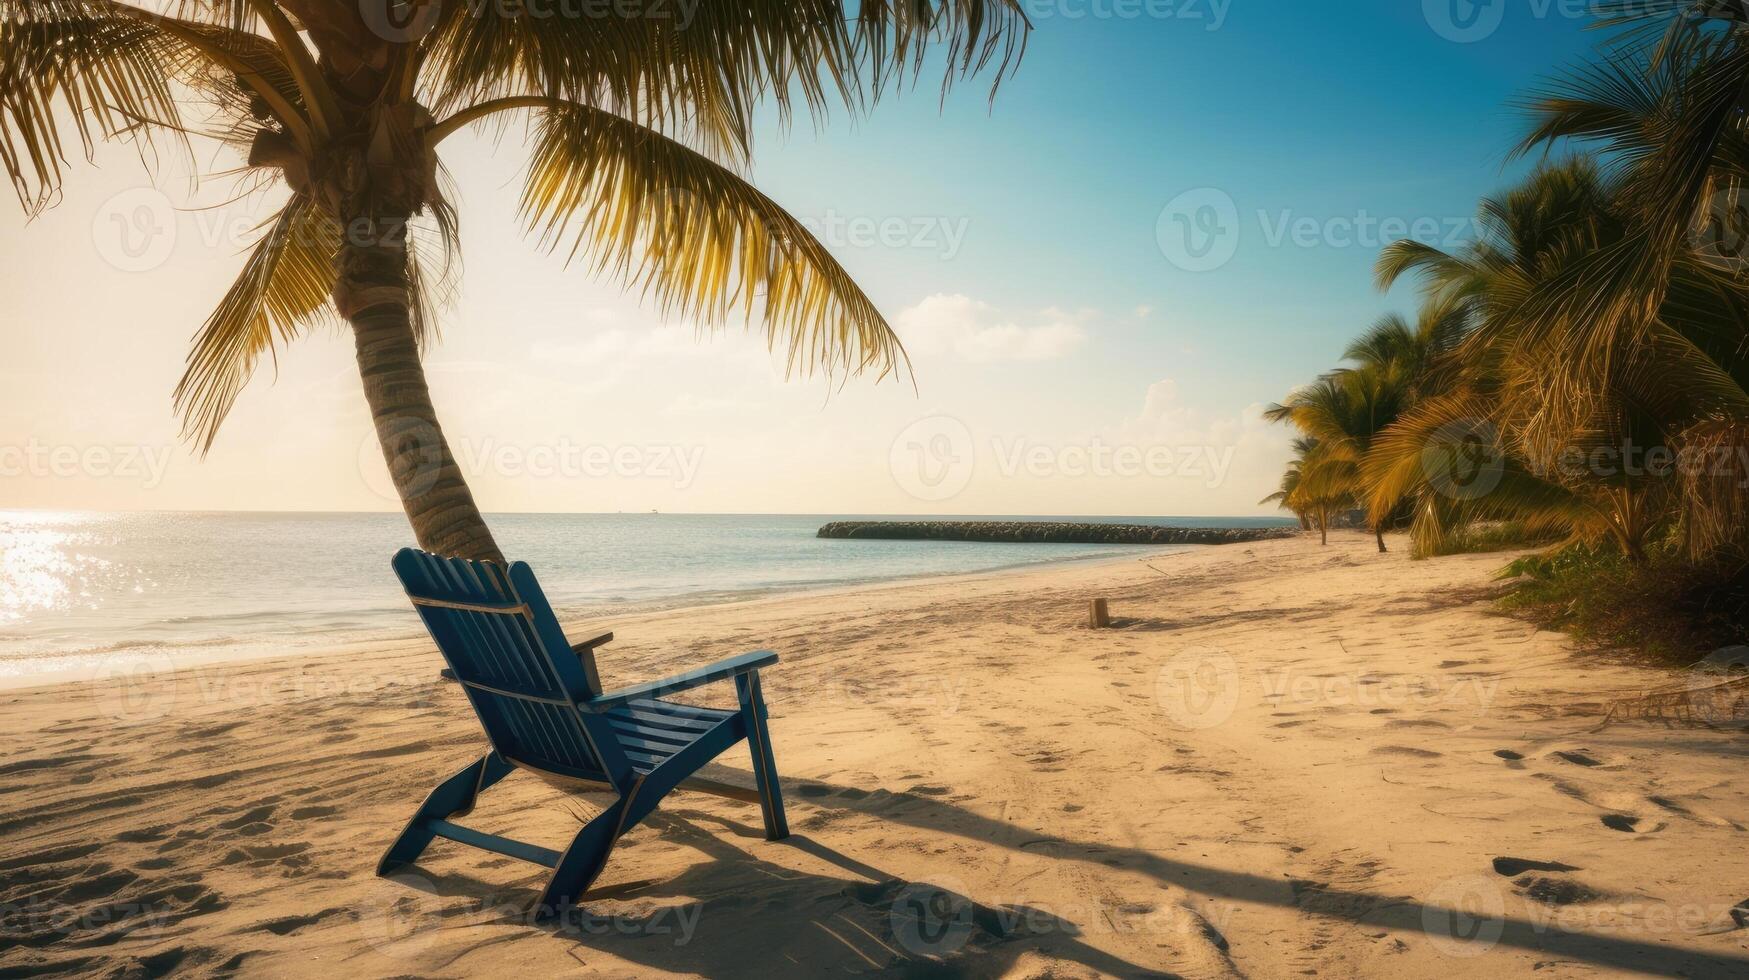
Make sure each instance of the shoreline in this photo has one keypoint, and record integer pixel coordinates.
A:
(573, 618)
(1173, 795)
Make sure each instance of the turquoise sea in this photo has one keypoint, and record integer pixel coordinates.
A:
(80, 589)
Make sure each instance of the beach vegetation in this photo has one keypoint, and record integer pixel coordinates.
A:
(1578, 379)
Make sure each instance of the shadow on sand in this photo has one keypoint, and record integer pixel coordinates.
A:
(877, 924)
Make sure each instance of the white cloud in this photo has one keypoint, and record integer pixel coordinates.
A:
(975, 331)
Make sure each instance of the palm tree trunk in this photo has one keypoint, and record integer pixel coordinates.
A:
(1630, 532)
(1378, 531)
(1323, 528)
(373, 293)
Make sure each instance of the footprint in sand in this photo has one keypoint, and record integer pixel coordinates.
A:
(1511, 867)
(1556, 891)
(1577, 759)
(1405, 750)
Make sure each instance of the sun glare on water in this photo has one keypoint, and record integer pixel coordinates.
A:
(41, 566)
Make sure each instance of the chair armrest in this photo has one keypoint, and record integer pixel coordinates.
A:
(593, 642)
(585, 652)
(744, 664)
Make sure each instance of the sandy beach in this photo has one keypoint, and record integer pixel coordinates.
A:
(1285, 760)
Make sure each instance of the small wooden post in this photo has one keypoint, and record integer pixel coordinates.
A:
(1099, 615)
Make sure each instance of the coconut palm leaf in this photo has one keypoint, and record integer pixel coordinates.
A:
(698, 239)
(283, 290)
(114, 70)
(702, 78)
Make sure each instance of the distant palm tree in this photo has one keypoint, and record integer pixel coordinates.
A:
(640, 125)
(1288, 496)
(1345, 411)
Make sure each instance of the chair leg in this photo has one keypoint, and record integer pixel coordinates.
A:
(582, 862)
(764, 764)
(454, 796)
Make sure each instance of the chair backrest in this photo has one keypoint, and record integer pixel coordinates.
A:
(496, 630)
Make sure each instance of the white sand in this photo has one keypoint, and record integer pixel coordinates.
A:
(1282, 762)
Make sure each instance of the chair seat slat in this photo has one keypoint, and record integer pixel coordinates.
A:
(627, 729)
(659, 714)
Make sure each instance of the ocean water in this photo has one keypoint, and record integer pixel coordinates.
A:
(79, 590)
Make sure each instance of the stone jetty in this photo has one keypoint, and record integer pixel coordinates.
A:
(1049, 532)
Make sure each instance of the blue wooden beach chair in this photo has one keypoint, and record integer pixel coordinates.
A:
(540, 701)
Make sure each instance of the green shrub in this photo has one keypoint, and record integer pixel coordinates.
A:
(1668, 609)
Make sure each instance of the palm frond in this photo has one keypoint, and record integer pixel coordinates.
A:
(701, 79)
(283, 290)
(114, 69)
(698, 239)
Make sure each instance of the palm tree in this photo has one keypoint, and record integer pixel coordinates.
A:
(640, 127)
(1668, 108)
(1345, 411)
(1508, 399)
(1288, 496)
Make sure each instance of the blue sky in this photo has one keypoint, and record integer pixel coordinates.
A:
(1025, 271)
(1287, 107)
